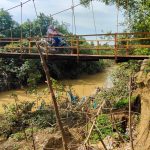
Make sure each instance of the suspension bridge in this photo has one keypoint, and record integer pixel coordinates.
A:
(117, 46)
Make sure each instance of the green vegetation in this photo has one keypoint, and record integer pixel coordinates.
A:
(104, 125)
(20, 116)
(123, 103)
(120, 78)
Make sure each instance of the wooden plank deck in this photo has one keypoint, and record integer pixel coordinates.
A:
(72, 57)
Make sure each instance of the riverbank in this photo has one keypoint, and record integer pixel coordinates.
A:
(112, 121)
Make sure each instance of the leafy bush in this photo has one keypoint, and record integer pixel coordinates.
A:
(19, 116)
(123, 103)
(16, 118)
(17, 44)
(18, 136)
(104, 125)
(142, 51)
(43, 118)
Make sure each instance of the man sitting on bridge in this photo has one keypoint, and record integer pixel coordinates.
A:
(53, 34)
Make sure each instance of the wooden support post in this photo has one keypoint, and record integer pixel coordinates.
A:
(46, 52)
(127, 46)
(97, 47)
(49, 83)
(11, 38)
(21, 46)
(130, 122)
(29, 46)
(116, 47)
(72, 39)
(71, 43)
(77, 38)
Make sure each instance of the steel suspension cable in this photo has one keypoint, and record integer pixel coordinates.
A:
(93, 15)
(17, 5)
(21, 35)
(66, 9)
(128, 17)
(117, 24)
(35, 9)
(73, 18)
(37, 13)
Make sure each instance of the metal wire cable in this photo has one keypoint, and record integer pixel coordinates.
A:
(93, 18)
(66, 9)
(73, 18)
(117, 24)
(37, 13)
(128, 18)
(21, 34)
(17, 5)
(21, 19)
(35, 9)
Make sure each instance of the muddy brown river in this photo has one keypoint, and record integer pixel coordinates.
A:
(84, 86)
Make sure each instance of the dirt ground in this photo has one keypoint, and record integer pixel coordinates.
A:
(143, 138)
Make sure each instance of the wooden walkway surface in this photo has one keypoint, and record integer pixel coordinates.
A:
(73, 57)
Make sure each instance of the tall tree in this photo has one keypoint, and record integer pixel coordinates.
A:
(137, 11)
(6, 22)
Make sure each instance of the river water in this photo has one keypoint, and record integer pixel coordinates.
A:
(84, 86)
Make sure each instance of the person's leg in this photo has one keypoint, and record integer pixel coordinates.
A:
(57, 41)
(53, 42)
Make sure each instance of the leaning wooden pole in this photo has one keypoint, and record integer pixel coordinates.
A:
(49, 83)
(99, 133)
(130, 121)
(94, 122)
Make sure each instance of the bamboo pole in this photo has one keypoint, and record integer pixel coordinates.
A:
(77, 48)
(49, 83)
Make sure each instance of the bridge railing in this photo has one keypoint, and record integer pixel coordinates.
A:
(96, 44)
